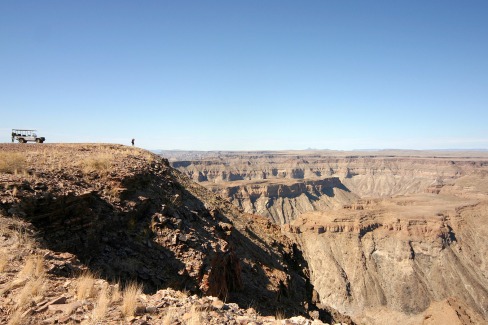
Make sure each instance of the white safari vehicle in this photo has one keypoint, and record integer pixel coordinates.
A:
(26, 135)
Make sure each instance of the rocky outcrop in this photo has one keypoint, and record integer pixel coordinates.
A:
(37, 286)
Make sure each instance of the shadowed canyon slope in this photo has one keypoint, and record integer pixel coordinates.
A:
(389, 236)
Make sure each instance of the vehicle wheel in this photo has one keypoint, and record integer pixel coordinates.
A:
(38, 140)
(22, 140)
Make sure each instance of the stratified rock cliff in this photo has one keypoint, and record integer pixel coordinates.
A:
(389, 256)
(388, 239)
(283, 200)
(283, 185)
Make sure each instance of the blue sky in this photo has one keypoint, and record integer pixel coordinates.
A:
(247, 75)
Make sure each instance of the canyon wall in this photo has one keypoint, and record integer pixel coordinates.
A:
(388, 239)
(282, 201)
(282, 186)
(388, 256)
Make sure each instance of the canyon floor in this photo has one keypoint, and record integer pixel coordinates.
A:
(389, 236)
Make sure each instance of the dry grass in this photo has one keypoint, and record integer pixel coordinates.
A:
(39, 267)
(113, 192)
(115, 292)
(130, 295)
(149, 156)
(280, 315)
(26, 278)
(29, 268)
(85, 285)
(170, 316)
(17, 234)
(33, 267)
(100, 163)
(100, 158)
(34, 287)
(15, 191)
(195, 316)
(102, 304)
(16, 318)
(3, 261)
(23, 241)
(31, 281)
(12, 162)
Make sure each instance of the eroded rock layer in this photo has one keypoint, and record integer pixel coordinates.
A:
(389, 256)
(283, 200)
(283, 185)
(389, 239)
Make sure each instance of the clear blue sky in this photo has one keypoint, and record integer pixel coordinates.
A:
(247, 75)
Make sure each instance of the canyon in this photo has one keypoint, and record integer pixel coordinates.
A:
(121, 216)
(389, 236)
(296, 237)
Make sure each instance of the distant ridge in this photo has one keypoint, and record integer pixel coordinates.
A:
(454, 153)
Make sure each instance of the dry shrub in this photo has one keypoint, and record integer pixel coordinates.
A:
(16, 318)
(3, 261)
(12, 162)
(18, 230)
(29, 268)
(195, 316)
(15, 191)
(39, 267)
(99, 163)
(170, 316)
(32, 277)
(115, 292)
(130, 295)
(280, 315)
(85, 285)
(34, 287)
(23, 240)
(225, 274)
(149, 156)
(101, 306)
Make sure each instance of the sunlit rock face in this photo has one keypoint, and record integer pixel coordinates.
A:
(283, 185)
(387, 238)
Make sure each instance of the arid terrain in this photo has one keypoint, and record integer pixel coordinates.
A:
(108, 234)
(389, 236)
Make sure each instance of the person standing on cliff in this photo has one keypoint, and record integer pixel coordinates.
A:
(133, 140)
